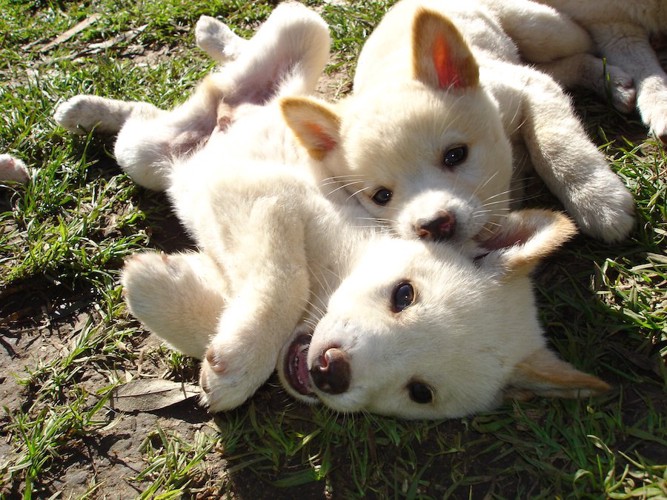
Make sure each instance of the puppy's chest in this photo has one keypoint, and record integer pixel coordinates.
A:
(259, 133)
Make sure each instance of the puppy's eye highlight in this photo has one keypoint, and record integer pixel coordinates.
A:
(420, 392)
(402, 296)
(455, 155)
(382, 196)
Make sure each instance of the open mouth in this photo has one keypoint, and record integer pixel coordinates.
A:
(296, 365)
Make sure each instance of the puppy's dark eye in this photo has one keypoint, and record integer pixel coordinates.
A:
(455, 155)
(382, 196)
(420, 392)
(402, 296)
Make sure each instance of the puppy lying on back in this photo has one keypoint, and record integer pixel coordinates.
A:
(285, 278)
(439, 103)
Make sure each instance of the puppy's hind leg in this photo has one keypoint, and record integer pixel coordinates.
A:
(218, 41)
(178, 297)
(570, 164)
(147, 146)
(291, 46)
(145, 140)
(83, 113)
(264, 312)
(540, 32)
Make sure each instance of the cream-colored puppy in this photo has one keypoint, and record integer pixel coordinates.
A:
(285, 278)
(440, 100)
(621, 31)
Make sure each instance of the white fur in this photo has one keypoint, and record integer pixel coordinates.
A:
(278, 258)
(557, 45)
(621, 31)
(395, 128)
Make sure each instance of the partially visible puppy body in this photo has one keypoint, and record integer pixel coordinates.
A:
(621, 32)
(439, 100)
(557, 45)
(286, 279)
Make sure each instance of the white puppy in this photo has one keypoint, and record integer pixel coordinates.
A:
(284, 278)
(621, 31)
(439, 101)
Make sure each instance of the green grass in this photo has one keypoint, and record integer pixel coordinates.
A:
(67, 339)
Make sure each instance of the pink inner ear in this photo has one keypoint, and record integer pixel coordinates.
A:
(448, 74)
(324, 140)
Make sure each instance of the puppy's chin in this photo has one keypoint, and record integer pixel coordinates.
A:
(293, 368)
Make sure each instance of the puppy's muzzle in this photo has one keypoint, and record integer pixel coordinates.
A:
(331, 371)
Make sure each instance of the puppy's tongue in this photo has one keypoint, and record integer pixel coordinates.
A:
(296, 365)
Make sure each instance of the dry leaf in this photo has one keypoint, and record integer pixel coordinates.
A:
(71, 32)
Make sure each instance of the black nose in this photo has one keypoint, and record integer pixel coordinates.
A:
(331, 371)
(441, 228)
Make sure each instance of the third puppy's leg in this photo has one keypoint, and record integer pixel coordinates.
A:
(591, 72)
(628, 47)
(540, 32)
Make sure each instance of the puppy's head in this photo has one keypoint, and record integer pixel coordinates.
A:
(424, 331)
(425, 154)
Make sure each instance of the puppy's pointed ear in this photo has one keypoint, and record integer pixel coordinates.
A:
(544, 374)
(441, 58)
(524, 239)
(314, 123)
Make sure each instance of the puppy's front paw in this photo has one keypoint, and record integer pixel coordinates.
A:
(145, 274)
(216, 39)
(606, 212)
(13, 170)
(229, 376)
